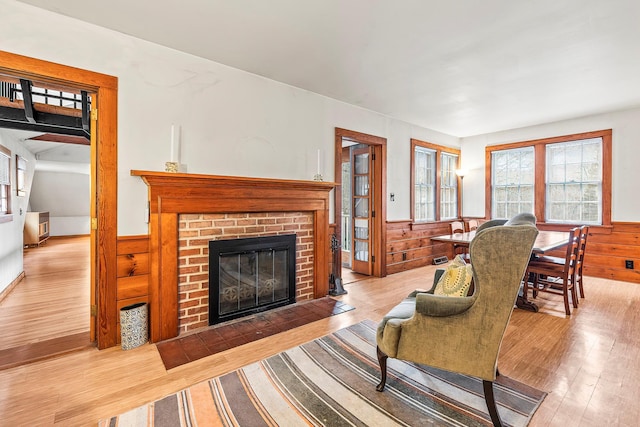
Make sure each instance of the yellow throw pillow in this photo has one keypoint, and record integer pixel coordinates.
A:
(456, 279)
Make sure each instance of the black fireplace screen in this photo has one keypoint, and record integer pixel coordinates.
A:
(250, 275)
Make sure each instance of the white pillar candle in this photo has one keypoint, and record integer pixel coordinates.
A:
(175, 143)
(318, 173)
(172, 143)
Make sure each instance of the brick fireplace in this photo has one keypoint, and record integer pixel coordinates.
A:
(195, 232)
(182, 205)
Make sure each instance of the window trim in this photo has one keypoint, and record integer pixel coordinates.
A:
(439, 149)
(540, 172)
(8, 216)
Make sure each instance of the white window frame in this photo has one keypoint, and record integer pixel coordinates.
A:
(5, 183)
(517, 186)
(560, 206)
(448, 186)
(425, 184)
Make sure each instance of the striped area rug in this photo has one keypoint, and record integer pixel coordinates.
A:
(331, 382)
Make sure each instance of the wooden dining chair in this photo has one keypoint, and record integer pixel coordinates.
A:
(557, 275)
(577, 273)
(582, 246)
(472, 224)
(458, 227)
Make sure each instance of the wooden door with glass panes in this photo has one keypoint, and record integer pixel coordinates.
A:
(361, 209)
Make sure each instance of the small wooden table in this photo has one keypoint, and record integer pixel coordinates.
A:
(545, 242)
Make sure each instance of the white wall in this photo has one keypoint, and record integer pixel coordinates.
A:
(625, 205)
(232, 122)
(66, 196)
(11, 241)
(61, 186)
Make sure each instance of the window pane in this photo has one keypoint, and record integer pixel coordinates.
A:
(362, 163)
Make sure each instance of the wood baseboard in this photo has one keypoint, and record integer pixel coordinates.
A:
(6, 291)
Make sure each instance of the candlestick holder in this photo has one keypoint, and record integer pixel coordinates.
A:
(171, 167)
(318, 177)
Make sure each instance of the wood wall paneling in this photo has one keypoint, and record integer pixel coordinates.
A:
(409, 246)
(132, 272)
(609, 248)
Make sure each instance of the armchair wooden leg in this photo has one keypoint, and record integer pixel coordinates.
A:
(491, 403)
(382, 359)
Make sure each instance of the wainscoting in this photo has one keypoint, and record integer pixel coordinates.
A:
(608, 249)
(409, 246)
(133, 273)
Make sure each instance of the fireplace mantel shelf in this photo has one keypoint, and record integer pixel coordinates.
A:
(173, 194)
(193, 179)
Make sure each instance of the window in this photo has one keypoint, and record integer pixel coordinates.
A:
(434, 182)
(424, 185)
(512, 181)
(562, 180)
(574, 181)
(5, 182)
(448, 187)
(21, 167)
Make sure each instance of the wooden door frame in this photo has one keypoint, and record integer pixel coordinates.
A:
(379, 146)
(105, 88)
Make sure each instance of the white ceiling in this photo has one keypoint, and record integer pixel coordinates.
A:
(462, 67)
(51, 151)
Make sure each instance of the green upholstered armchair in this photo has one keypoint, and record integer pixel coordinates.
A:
(463, 334)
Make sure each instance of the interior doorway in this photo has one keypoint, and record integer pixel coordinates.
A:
(51, 305)
(103, 231)
(360, 204)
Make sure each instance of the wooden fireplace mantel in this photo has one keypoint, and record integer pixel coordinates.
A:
(172, 194)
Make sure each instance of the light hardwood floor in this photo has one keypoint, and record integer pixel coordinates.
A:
(588, 362)
(48, 311)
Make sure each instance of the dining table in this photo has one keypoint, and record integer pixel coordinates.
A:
(545, 241)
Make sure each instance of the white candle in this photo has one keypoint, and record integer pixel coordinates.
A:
(318, 162)
(172, 142)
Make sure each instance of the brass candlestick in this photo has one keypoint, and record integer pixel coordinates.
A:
(171, 167)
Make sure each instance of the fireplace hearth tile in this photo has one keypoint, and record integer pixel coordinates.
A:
(239, 340)
(216, 345)
(245, 328)
(218, 338)
(173, 354)
(270, 330)
(228, 331)
(289, 313)
(194, 347)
